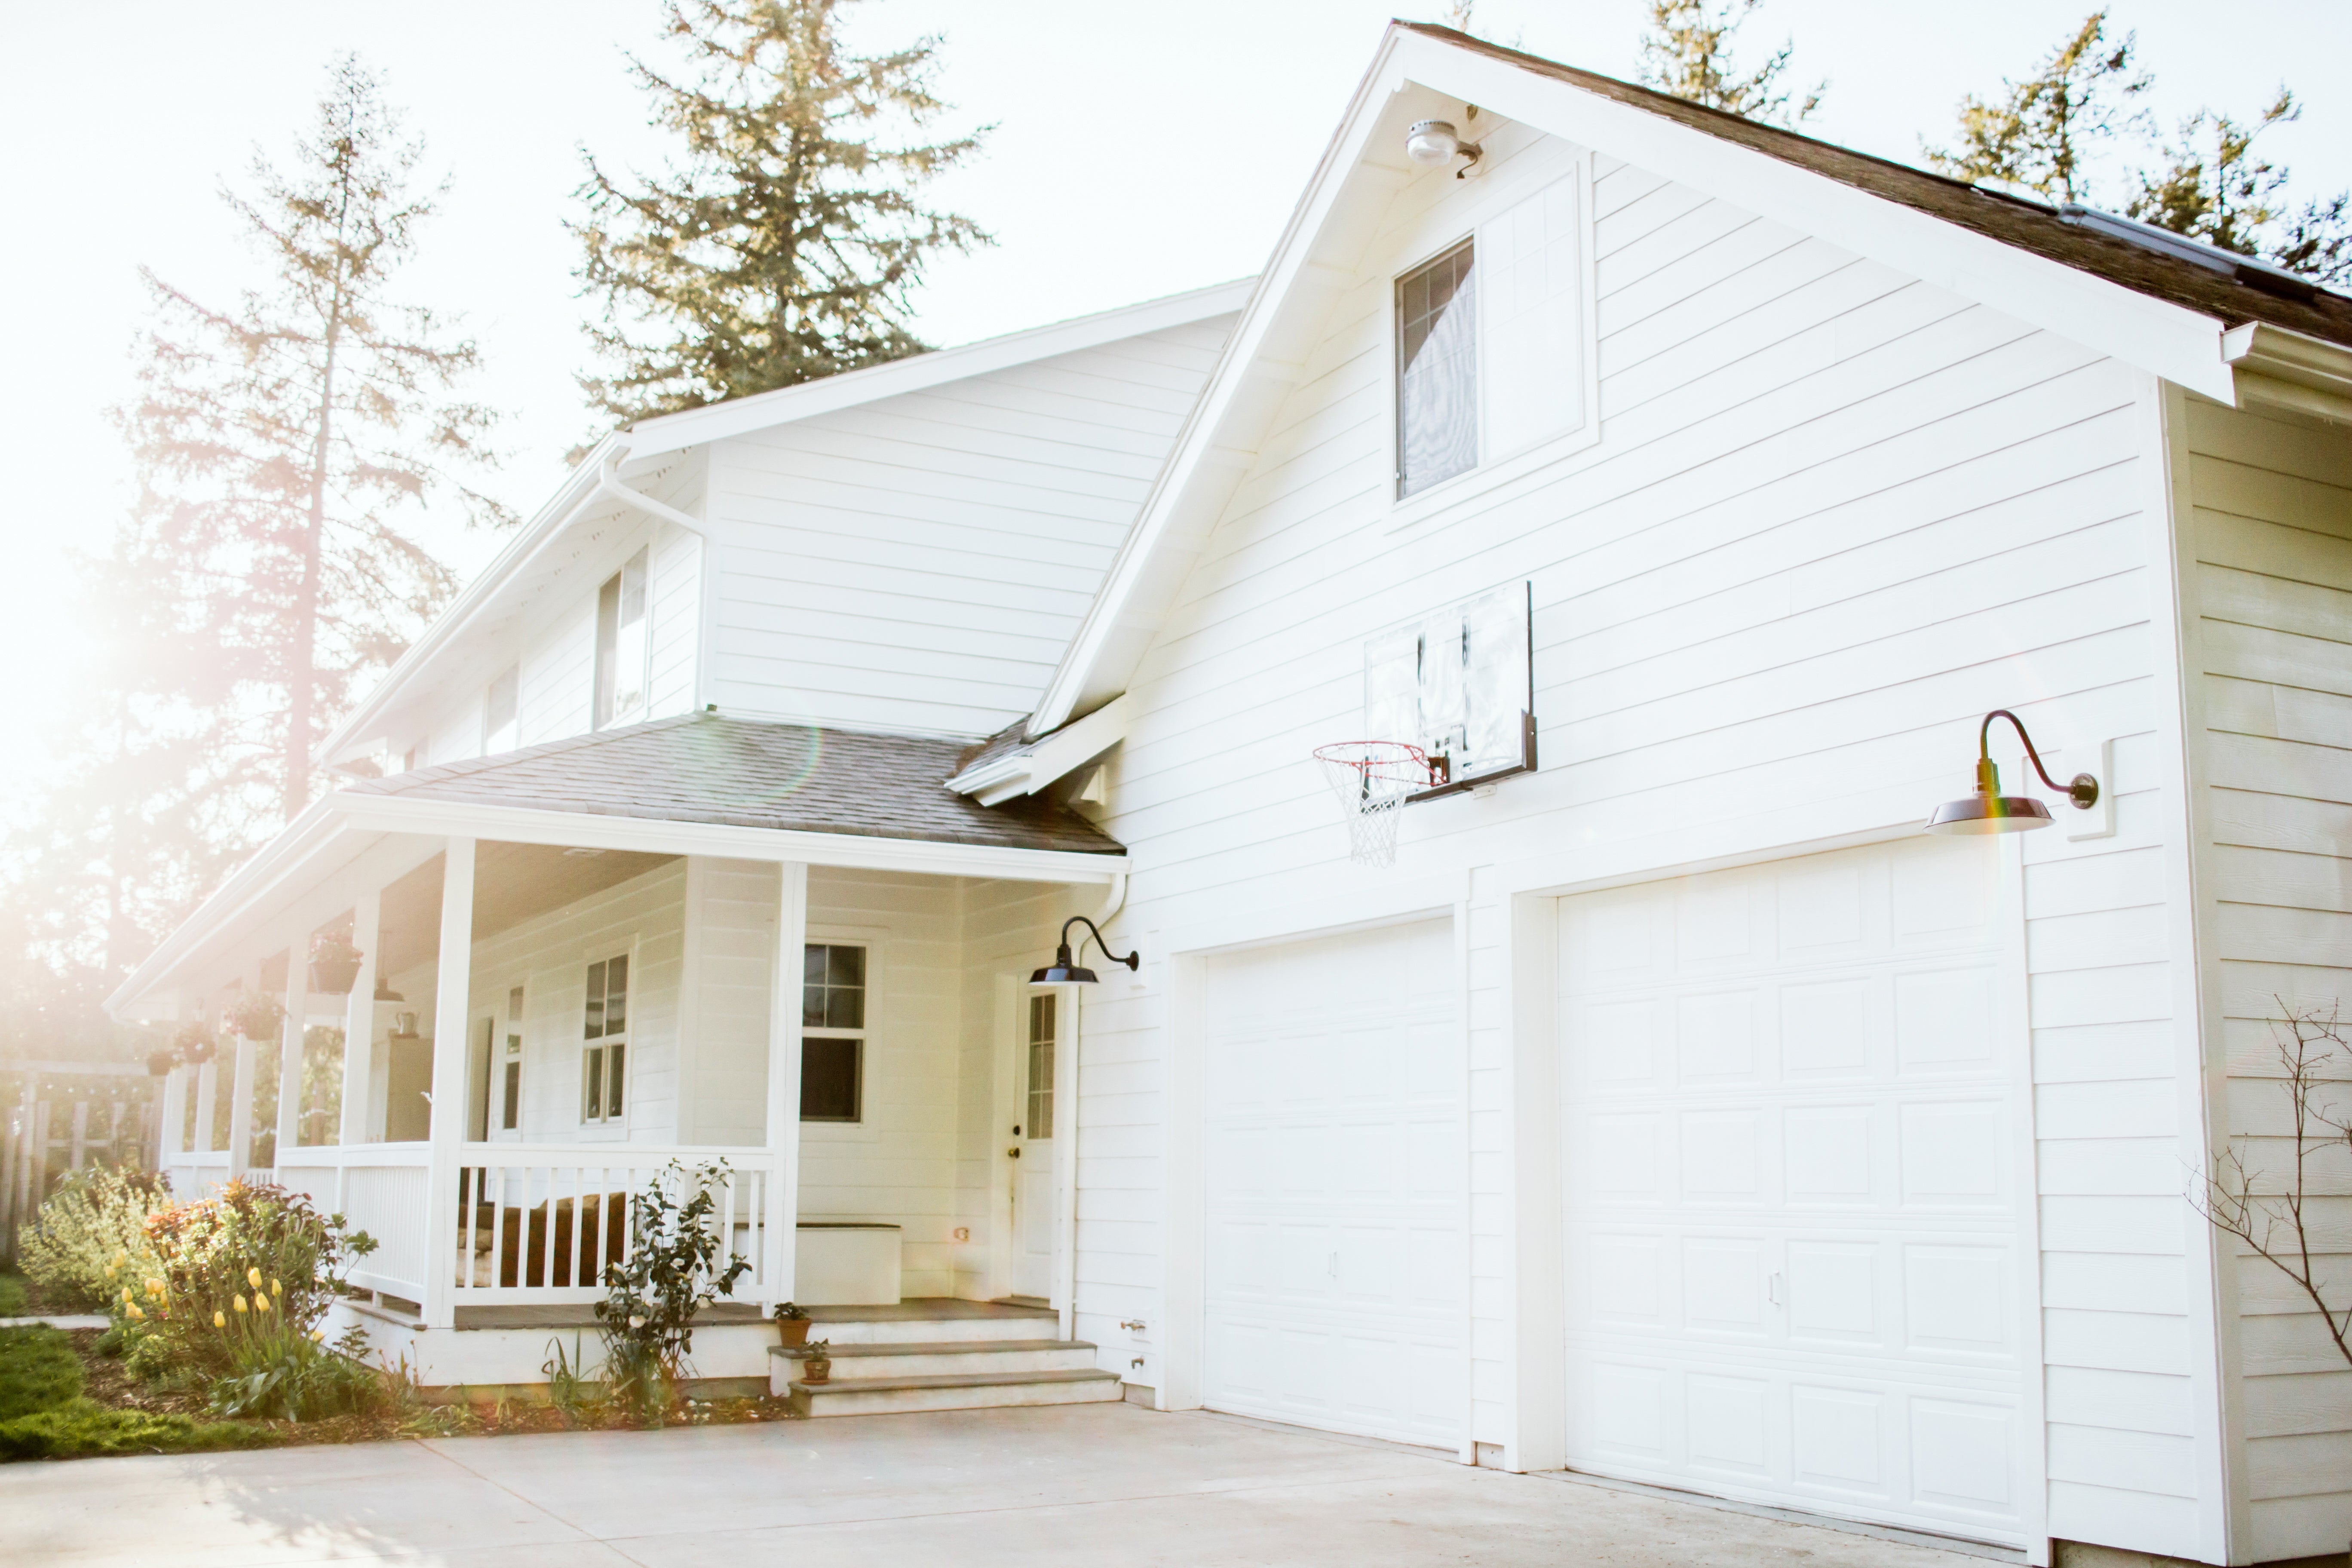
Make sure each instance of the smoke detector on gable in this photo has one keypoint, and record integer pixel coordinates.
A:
(1434, 142)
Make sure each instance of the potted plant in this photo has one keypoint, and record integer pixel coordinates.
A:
(818, 1367)
(194, 1045)
(161, 1062)
(258, 1016)
(334, 965)
(792, 1325)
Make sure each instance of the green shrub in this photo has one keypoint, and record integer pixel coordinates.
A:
(90, 1241)
(38, 1370)
(671, 1273)
(80, 1428)
(245, 1278)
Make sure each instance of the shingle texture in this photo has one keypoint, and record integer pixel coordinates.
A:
(2028, 225)
(705, 767)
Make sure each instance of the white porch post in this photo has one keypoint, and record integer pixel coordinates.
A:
(207, 1089)
(171, 1133)
(290, 1052)
(240, 1108)
(784, 1084)
(443, 1227)
(359, 1021)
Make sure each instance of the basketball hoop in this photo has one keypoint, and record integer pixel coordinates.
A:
(1372, 779)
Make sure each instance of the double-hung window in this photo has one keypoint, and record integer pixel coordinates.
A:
(604, 1063)
(1437, 371)
(621, 645)
(832, 1032)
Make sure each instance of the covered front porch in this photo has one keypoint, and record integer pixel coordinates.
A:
(836, 1019)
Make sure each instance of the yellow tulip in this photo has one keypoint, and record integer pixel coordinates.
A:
(253, 1278)
(276, 1288)
(220, 1320)
(135, 1315)
(238, 1303)
(154, 1286)
(126, 1295)
(260, 1302)
(319, 1336)
(121, 1259)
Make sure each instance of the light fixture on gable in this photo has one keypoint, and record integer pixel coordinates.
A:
(1065, 971)
(1430, 142)
(1990, 811)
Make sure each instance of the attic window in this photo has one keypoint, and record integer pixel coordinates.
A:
(621, 645)
(1437, 372)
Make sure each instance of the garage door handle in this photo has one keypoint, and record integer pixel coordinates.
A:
(1772, 1288)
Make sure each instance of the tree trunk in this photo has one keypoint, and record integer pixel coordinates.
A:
(300, 684)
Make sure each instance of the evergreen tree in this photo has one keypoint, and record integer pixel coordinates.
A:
(2041, 134)
(2215, 188)
(785, 244)
(287, 440)
(1686, 51)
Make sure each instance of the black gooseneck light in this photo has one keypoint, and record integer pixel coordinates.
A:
(1065, 971)
(1990, 811)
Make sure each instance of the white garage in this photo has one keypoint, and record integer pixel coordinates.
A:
(1336, 1182)
(1792, 1126)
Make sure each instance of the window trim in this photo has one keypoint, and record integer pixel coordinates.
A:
(1548, 458)
(515, 1030)
(879, 1015)
(599, 717)
(607, 1126)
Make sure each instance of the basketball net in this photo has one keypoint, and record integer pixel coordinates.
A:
(1372, 779)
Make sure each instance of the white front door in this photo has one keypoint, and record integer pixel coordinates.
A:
(1788, 1134)
(1335, 1178)
(1034, 1188)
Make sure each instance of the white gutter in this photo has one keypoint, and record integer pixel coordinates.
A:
(2292, 371)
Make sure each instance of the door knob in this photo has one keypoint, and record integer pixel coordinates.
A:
(1014, 1153)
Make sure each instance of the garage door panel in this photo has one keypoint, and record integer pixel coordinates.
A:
(1791, 1217)
(1346, 1260)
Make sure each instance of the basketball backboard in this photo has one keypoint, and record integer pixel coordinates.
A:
(1459, 684)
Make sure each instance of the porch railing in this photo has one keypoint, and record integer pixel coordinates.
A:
(533, 1224)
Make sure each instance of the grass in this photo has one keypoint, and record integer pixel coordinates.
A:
(45, 1414)
(14, 1302)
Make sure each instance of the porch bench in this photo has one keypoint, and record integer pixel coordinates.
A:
(520, 1241)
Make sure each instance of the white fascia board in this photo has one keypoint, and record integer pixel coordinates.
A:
(583, 485)
(2171, 340)
(1204, 426)
(742, 415)
(2178, 344)
(653, 835)
(1051, 757)
(2282, 369)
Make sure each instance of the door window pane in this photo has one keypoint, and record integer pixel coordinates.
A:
(1437, 372)
(1041, 1066)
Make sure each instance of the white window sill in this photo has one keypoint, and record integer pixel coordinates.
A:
(1474, 483)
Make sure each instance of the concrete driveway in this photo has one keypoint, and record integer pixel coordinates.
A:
(1088, 1484)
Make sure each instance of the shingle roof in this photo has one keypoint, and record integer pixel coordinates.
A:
(2028, 225)
(706, 767)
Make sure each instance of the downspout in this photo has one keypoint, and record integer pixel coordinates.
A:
(1066, 1198)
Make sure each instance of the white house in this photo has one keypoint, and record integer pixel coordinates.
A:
(1672, 1107)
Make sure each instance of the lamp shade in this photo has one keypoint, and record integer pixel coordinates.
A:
(1990, 813)
(1063, 971)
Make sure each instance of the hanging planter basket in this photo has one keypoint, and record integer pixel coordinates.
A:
(334, 967)
(161, 1062)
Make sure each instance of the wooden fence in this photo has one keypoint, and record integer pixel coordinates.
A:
(56, 1117)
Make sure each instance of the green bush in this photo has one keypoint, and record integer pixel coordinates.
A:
(38, 1370)
(673, 1272)
(80, 1428)
(90, 1239)
(243, 1281)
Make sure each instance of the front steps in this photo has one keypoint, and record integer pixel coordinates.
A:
(939, 1354)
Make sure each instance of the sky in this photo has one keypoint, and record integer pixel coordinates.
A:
(1138, 148)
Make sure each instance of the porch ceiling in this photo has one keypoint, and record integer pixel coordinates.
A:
(512, 883)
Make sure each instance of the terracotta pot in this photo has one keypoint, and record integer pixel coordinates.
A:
(792, 1331)
(817, 1370)
(334, 976)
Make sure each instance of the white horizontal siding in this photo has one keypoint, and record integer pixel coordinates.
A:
(2272, 591)
(918, 562)
(1835, 515)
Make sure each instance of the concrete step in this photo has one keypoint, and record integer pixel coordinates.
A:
(1012, 1325)
(937, 1358)
(982, 1391)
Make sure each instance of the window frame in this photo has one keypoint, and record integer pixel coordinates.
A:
(1473, 286)
(608, 1122)
(879, 1011)
(510, 1082)
(1439, 231)
(606, 711)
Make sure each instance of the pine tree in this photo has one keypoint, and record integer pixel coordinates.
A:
(2042, 135)
(2215, 188)
(287, 440)
(1686, 51)
(786, 245)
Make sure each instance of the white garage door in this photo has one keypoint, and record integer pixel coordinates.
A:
(1335, 1184)
(1792, 1254)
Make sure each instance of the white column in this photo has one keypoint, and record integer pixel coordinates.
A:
(171, 1132)
(442, 1222)
(359, 1020)
(207, 1088)
(290, 1052)
(1066, 1047)
(784, 1084)
(240, 1108)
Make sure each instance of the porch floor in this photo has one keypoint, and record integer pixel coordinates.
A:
(915, 1308)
